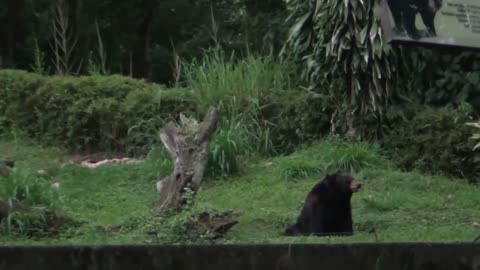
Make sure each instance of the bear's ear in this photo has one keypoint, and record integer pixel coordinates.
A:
(330, 178)
(321, 189)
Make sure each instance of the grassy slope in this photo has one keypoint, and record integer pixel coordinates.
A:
(401, 206)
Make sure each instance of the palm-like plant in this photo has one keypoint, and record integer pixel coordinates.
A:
(339, 43)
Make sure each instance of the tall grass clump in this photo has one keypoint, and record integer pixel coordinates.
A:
(240, 89)
(27, 188)
(300, 168)
(355, 156)
(218, 77)
(334, 153)
(238, 137)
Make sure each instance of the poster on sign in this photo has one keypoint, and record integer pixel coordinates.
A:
(442, 22)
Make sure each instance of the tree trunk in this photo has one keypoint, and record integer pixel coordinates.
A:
(188, 147)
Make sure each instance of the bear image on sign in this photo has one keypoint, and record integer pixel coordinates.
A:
(404, 13)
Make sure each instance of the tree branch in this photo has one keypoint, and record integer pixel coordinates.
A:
(209, 125)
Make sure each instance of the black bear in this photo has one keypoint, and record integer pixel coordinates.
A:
(327, 209)
(404, 13)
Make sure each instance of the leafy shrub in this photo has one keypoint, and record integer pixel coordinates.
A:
(297, 118)
(16, 91)
(453, 78)
(90, 112)
(434, 140)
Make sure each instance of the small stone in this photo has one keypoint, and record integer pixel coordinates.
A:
(56, 185)
(41, 172)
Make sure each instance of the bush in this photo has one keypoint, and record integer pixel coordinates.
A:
(434, 140)
(89, 112)
(218, 79)
(278, 124)
(16, 91)
(297, 118)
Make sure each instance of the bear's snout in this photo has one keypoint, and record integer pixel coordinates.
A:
(355, 186)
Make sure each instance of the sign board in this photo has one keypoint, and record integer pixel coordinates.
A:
(442, 22)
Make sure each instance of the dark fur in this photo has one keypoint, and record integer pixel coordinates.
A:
(405, 11)
(327, 209)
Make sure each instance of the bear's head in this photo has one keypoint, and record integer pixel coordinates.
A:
(435, 5)
(342, 183)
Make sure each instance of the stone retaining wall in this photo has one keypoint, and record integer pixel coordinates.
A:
(418, 256)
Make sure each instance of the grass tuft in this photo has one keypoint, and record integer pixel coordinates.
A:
(299, 168)
(26, 187)
(355, 156)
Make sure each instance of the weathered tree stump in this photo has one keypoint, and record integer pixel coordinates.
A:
(188, 148)
(217, 225)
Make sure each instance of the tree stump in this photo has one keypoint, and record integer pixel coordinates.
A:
(187, 145)
(215, 224)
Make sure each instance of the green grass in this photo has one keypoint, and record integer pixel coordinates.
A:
(401, 206)
(238, 88)
(217, 78)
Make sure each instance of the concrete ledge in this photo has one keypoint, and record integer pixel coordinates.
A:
(405, 256)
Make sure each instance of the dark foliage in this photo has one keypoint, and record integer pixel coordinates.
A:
(433, 140)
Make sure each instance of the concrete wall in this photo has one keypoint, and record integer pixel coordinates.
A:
(421, 256)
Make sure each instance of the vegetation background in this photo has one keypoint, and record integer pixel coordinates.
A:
(305, 87)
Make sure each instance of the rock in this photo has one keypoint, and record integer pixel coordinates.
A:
(94, 163)
(56, 185)
(41, 173)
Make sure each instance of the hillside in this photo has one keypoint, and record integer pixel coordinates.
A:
(400, 206)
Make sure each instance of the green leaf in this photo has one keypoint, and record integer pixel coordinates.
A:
(476, 146)
(295, 31)
(363, 34)
(373, 31)
(476, 124)
(317, 7)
